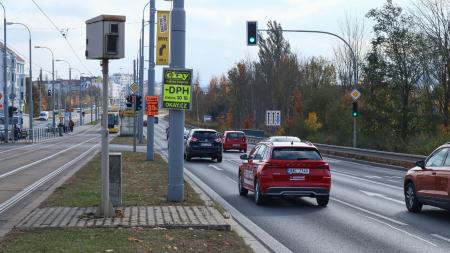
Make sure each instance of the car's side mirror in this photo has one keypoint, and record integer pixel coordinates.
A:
(421, 164)
(244, 157)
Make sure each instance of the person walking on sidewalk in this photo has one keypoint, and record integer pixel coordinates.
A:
(71, 125)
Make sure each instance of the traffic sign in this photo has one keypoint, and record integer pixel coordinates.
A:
(355, 94)
(152, 105)
(163, 38)
(273, 118)
(134, 88)
(128, 113)
(177, 88)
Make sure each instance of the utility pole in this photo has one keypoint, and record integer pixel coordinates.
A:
(140, 123)
(151, 82)
(40, 90)
(5, 79)
(176, 117)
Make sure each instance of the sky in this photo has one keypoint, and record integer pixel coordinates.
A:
(215, 30)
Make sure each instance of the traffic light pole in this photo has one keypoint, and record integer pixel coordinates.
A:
(134, 123)
(176, 117)
(355, 67)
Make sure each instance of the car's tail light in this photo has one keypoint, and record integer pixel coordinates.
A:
(244, 139)
(193, 139)
(218, 140)
(273, 166)
(323, 167)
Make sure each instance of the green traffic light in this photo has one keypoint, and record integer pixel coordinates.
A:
(355, 114)
(252, 39)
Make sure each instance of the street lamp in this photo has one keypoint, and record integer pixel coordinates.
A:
(53, 83)
(30, 95)
(70, 78)
(81, 104)
(5, 82)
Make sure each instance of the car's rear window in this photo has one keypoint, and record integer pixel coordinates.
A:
(295, 153)
(235, 135)
(205, 135)
(43, 114)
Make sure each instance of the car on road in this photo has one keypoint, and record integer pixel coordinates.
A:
(428, 183)
(203, 143)
(285, 169)
(43, 116)
(235, 140)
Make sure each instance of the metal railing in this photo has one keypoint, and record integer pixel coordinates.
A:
(377, 156)
(35, 135)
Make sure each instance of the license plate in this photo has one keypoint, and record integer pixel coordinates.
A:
(206, 145)
(236, 145)
(298, 171)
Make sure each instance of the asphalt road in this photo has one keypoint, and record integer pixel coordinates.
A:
(28, 170)
(366, 212)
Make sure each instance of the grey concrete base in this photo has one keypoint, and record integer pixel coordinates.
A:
(199, 217)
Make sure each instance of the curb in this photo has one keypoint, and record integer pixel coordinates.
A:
(248, 238)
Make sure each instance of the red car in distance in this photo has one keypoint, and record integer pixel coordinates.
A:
(277, 169)
(234, 140)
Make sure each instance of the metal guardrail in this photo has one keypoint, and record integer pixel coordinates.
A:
(398, 159)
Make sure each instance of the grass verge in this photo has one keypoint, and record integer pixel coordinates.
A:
(122, 240)
(126, 141)
(144, 184)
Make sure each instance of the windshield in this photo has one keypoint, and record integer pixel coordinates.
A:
(43, 114)
(235, 135)
(295, 153)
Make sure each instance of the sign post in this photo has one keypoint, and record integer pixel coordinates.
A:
(355, 94)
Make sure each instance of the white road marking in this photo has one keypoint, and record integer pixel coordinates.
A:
(377, 177)
(369, 212)
(441, 237)
(373, 194)
(215, 167)
(366, 180)
(41, 160)
(403, 231)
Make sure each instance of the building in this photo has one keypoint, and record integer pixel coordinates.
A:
(15, 80)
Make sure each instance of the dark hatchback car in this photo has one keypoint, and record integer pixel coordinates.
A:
(428, 183)
(203, 143)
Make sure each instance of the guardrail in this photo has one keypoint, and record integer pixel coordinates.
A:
(384, 157)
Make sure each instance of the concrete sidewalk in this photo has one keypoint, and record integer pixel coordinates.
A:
(198, 217)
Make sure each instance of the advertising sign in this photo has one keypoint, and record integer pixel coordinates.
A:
(151, 105)
(177, 88)
(163, 38)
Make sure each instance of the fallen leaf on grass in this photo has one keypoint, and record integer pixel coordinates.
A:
(175, 248)
(109, 250)
(169, 237)
(133, 239)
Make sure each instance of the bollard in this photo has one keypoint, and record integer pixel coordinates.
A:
(115, 179)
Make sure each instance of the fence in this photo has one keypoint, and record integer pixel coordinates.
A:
(28, 135)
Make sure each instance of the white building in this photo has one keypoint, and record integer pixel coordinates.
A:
(15, 79)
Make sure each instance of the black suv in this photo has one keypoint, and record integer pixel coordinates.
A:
(203, 143)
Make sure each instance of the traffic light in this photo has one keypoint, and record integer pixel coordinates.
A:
(252, 33)
(49, 92)
(11, 111)
(138, 103)
(355, 109)
(129, 101)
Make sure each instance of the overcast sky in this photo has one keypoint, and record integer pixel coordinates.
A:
(215, 29)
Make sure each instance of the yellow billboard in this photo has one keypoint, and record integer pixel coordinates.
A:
(163, 38)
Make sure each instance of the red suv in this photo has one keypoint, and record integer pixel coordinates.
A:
(429, 182)
(279, 169)
(235, 140)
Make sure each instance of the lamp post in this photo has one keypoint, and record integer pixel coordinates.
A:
(30, 95)
(53, 84)
(5, 82)
(70, 78)
(81, 97)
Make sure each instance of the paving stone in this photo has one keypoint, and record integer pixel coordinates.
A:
(193, 219)
(66, 220)
(175, 216)
(159, 216)
(73, 222)
(199, 215)
(61, 215)
(44, 216)
(183, 215)
(168, 220)
(142, 220)
(31, 218)
(151, 216)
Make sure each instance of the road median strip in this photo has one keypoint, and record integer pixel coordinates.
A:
(146, 216)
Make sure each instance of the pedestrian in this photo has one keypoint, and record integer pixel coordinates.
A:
(71, 125)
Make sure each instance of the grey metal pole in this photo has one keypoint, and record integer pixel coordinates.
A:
(40, 91)
(90, 98)
(30, 95)
(106, 209)
(81, 104)
(151, 82)
(134, 123)
(176, 117)
(5, 80)
(140, 123)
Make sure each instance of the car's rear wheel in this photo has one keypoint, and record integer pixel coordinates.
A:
(259, 198)
(323, 200)
(242, 190)
(412, 203)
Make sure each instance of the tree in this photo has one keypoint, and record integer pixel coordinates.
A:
(393, 54)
